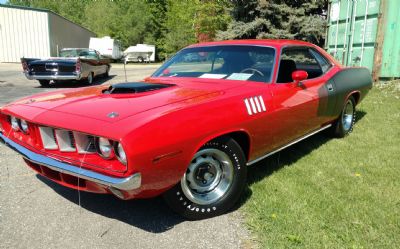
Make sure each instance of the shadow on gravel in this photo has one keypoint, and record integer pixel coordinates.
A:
(76, 84)
(151, 215)
(288, 156)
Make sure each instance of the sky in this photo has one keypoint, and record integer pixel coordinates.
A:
(3, 1)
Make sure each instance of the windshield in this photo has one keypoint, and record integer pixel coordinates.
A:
(82, 53)
(70, 53)
(252, 63)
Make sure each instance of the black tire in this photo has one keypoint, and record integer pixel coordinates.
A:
(90, 79)
(226, 182)
(344, 124)
(140, 59)
(44, 83)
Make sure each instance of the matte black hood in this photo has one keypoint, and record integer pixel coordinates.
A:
(134, 87)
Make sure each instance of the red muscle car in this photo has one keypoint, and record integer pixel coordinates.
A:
(191, 129)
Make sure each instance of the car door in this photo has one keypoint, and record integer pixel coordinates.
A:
(93, 62)
(296, 104)
(102, 62)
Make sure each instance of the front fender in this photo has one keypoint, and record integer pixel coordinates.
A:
(163, 147)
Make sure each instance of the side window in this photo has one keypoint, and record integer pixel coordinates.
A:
(88, 54)
(92, 55)
(323, 62)
(299, 58)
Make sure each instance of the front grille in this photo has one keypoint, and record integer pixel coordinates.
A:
(91, 146)
(64, 141)
(67, 141)
(69, 180)
(48, 138)
(72, 139)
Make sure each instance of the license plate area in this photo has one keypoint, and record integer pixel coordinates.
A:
(51, 67)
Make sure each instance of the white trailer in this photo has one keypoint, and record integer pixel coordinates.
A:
(140, 53)
(107, 47)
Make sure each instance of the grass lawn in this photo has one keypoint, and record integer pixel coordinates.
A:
(333, 193)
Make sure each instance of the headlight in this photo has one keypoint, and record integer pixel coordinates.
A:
(104, 148)
(120, 153)
(14, 123)
(24, 126)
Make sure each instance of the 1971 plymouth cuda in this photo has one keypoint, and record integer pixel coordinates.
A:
(73, 64)
(191, 129)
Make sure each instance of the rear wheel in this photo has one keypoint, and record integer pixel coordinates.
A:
(107, 73)
(344, 125)
(44, 83)
(89, 79)
(212, 183)
(140, 59)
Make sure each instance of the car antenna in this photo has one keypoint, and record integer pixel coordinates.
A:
(126, 79)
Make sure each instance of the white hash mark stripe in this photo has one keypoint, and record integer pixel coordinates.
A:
(246, 101)
(262, 103)
(257, 104)
(253, 105)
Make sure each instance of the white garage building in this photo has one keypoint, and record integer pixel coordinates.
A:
(37, 33)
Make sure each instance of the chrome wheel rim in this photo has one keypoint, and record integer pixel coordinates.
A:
(348, 114)
(90, 78)
(208, 177)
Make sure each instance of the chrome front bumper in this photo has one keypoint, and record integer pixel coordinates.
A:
(52, 77)
(128, 183)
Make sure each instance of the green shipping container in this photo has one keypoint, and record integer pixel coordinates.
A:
(366, 33)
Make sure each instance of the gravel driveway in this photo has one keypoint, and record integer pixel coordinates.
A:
(37, 213)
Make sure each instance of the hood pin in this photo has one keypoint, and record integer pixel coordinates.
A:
(113, 115)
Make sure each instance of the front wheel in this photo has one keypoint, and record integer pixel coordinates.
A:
(213, 182)
(344, 125)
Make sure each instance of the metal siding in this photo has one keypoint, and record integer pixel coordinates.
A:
(365, 33)
(76, 37)
(391, 48)
(22, 34)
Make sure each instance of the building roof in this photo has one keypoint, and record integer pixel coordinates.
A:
(41, 10)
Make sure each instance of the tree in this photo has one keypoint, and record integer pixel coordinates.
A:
(179, 24)
(125, 20)
(191, 21)
(72, 9)
(289, 19)
(156, 29)
(211, 16)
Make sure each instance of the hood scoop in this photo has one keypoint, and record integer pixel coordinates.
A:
(134, 87)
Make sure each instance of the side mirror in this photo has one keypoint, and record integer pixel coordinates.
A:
(299, 75)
